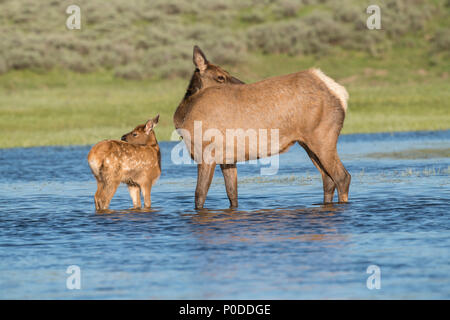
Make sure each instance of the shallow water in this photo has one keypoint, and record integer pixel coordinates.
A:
(280, 244)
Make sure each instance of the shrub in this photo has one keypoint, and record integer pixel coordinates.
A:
(130, 72)
(156, 37)
(286, 8)
(253, 17)
(347, 11)
(441, 41)
(75, 62)
(3, 65)
(439, 53)
(227, 50)
(281, 37)
(312, 35)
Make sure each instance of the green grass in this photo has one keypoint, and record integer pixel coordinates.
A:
(397, 93)
(397, 77)
(63, 108)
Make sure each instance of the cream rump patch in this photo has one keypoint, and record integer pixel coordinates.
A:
(336, 89)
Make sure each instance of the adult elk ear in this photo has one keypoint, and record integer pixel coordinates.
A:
(236, 81)
(151, 124)
(199, 59)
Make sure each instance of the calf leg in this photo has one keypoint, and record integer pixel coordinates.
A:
(109, 190)
(135, 194)
(98, 198)
(229, 172)
(205, 173)
(146, 192)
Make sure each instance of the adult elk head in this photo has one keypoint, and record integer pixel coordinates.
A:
(207, 74)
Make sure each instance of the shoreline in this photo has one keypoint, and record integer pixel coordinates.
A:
(381, 135)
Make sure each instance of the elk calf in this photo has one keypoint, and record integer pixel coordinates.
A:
(136, 161)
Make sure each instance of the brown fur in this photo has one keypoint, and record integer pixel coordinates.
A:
(136, 161)
(300, 105)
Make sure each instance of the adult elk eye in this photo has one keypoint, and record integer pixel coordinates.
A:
(221, 78)
(134, 134)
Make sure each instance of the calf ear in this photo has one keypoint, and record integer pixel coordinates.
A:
(199, 59)
(151, 124)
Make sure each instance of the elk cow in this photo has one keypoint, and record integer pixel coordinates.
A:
(306, 107)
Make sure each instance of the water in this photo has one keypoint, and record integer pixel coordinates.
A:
(280, 244)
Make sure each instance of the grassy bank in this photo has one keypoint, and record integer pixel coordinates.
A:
(400, 92)
(131, 60)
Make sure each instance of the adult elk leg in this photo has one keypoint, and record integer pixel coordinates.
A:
(135, 194)
(205, 173)
(328, 184)
(229, 172)
(342, 178)
(333, 166)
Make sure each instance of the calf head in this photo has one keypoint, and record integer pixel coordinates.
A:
(142, 134)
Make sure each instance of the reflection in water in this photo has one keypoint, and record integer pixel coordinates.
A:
(125, 211)
(268, 225)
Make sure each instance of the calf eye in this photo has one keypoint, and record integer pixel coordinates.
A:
(221, 78)
(134, 134)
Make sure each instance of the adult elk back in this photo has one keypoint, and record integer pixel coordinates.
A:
(306, 107)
